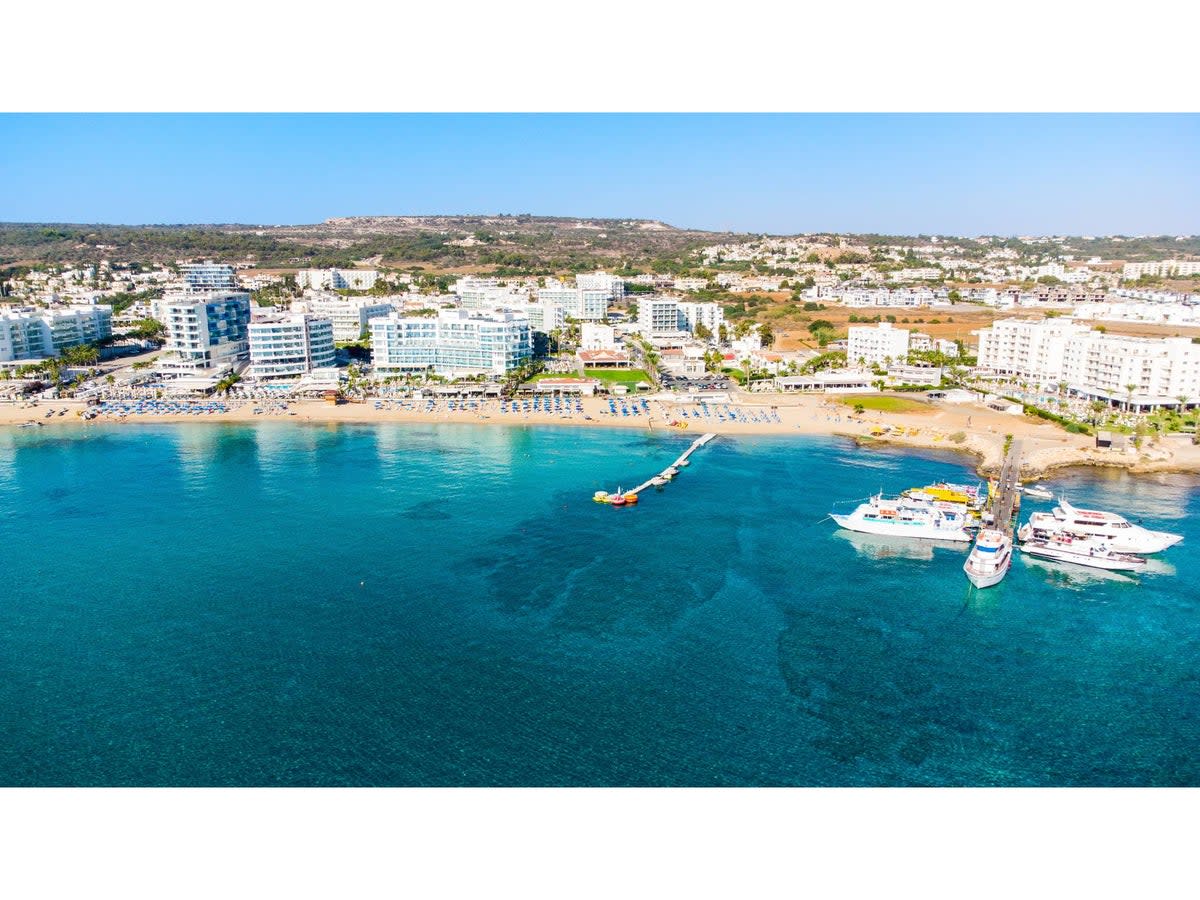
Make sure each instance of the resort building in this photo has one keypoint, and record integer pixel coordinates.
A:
(544, 316)
(658, 317)
(32, 334)
(488, 293)
(454, 342)
(210, 331)
(1178, 268)
(1137, 372)
(350, 315)
(710, 315)
(337, 279)
(876, 344)
(602, 281)
(208, 276)
(286, 345)
(582, 304)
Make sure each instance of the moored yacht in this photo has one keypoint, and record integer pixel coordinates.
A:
(990, 558)
(907, 517)
(1082, 550)
(1121, 535)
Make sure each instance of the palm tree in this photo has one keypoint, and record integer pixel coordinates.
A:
(1129, 389)
(1097, 406)
(1183, 399)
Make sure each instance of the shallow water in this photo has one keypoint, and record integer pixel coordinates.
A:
(280, 604)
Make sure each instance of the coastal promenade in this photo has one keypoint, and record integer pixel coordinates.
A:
(965, 428)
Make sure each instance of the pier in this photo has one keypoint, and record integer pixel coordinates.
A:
(660, 479)
(1008, 486)
(673, 469)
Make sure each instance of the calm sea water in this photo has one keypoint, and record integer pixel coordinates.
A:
(444, 605)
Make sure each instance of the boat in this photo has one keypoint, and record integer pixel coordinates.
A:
(907, 517)
(1121, 535)
(971, 495)
(30, 425)
(990, 558)
(631, 498)
(1083, 551)
(1038, 490)
(600, 496)
(617, 499)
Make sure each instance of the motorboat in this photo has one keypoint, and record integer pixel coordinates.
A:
(1121, 535)
(907, 517)
(1039, 491)
(990, 558)
(1082, 550)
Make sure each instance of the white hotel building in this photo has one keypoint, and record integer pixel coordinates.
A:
(876, 344)
(32, 334)
(286, 345)
(454, 342)
(337, 279)
(350, 315)
(602, 281)
(583, 304)
(710, 315)
(205, 332)
(1094, 364)
(1180, 268)
(658, 317)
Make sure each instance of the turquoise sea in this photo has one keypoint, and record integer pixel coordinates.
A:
(283, 604)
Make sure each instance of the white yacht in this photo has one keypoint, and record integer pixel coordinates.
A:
(908, 517)
(990, 558)
(1121, 536)
(1082, 550)
(1038, 490)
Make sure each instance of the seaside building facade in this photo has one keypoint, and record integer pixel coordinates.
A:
(350, 315)
(658, 316)
(1140, 372)
(602, 281)
(876, 344)
(584, 305)
(33, 334)
(454, 342)
(287, 345)
(206, 332)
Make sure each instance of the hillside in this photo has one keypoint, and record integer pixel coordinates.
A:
(515, 244)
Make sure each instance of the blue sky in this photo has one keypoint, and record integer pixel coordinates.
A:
(946, 174)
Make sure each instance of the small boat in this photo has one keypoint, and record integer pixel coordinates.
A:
(618, 499)
(1038, 490)
(990, 558)
(630, 499)
(30, 425)
(601, 496)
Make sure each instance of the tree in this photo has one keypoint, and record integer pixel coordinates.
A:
(702, 331)
(1129, 389)
(1097, 407)
(766, 335)
(723, 333)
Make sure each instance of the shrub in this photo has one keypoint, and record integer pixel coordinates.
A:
(958, 437)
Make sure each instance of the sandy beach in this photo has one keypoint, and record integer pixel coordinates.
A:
(964, 428)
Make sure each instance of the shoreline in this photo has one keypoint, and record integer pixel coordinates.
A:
(977, 432)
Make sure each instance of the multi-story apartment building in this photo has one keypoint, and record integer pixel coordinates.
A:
(454, 342)
(31, 334)
(1180, 268)
(1142, 372)
(876, 344)
(543, 315)
(208, 276)
(710, 315)
(658, 316)
(582, 304)
(286, 345)
(337, 279)
(350, 315)
(602, 281)
(206, 331)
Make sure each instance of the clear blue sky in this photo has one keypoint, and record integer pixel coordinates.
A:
(947, 174)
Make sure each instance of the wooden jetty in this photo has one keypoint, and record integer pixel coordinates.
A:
(665, 475)
(1008, 489)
